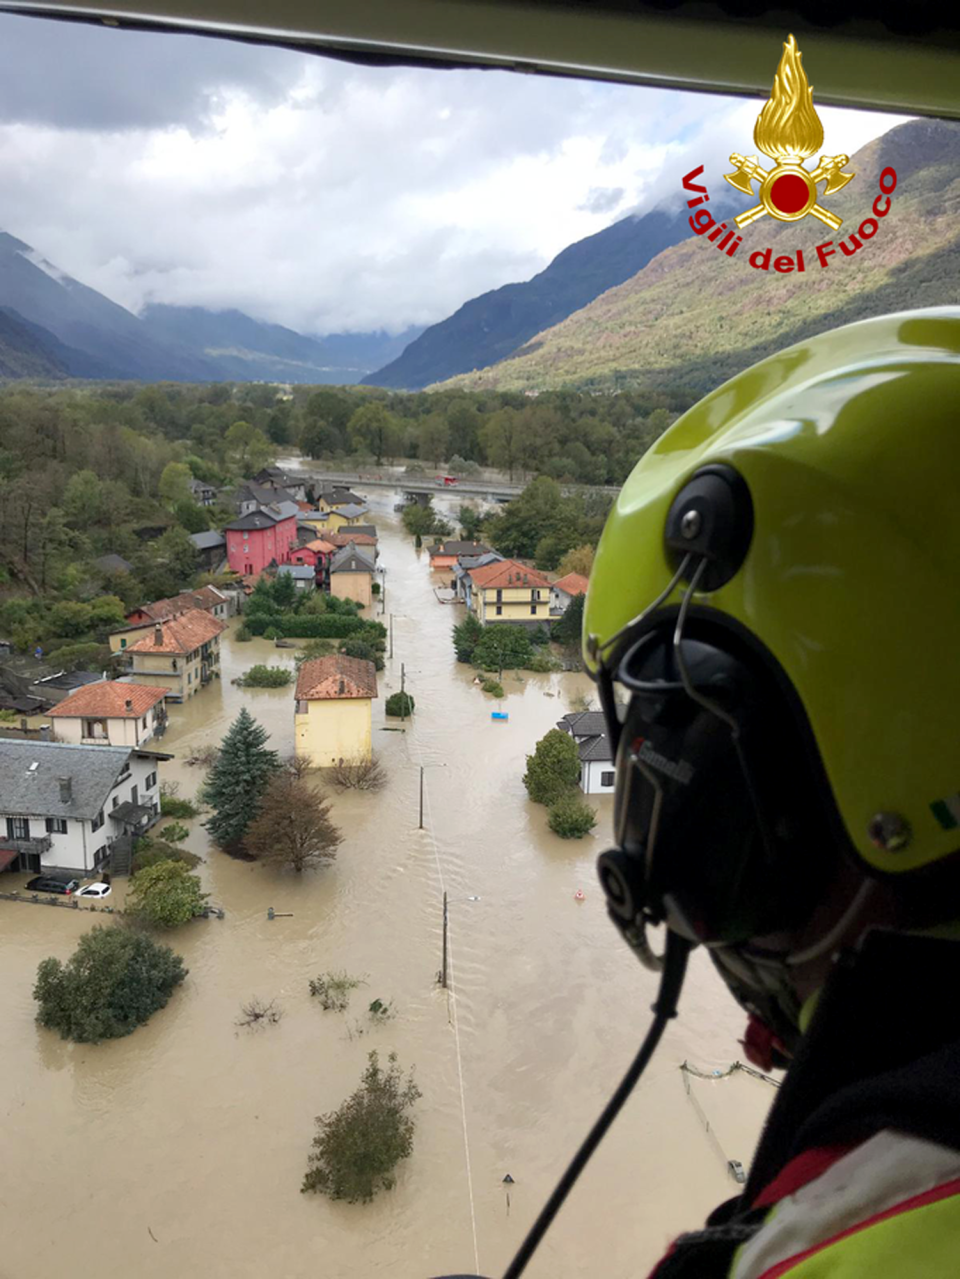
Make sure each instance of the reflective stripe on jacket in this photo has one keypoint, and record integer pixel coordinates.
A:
(889, 1207)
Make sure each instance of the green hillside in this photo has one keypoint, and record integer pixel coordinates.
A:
(695, 317)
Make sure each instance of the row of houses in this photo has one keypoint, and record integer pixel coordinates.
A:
(496, 589)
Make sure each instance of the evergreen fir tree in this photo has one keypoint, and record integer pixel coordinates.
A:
(237, 781)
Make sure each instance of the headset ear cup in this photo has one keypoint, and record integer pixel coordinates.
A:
(621, 876)
(706, 792)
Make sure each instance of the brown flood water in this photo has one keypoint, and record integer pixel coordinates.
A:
(180, 1149)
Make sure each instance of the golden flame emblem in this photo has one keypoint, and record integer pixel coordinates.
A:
(788, 130)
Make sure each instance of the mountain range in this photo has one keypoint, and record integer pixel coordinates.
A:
(491, 327)
(695, 317)
(52, 326)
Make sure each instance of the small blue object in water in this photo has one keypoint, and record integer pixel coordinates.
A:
(499, 715)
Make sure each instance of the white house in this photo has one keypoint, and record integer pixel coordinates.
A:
(589, 731)
(111, 713)
(564, 591)
(76, 808)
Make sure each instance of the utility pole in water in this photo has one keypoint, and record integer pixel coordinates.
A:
(443, 965)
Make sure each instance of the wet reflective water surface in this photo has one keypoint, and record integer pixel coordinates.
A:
(181, 1148)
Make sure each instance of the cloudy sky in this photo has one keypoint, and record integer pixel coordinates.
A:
(324, 196)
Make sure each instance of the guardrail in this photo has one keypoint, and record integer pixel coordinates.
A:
(74, 903)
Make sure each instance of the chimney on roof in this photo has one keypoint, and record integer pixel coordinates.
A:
(66, 789)
(158, 634)
(128, 704)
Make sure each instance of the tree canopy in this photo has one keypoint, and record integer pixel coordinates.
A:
(113, 982)
(236, 782)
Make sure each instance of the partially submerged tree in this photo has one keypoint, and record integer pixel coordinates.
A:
(359, 774)
(165, 894)
(466, 636)
(112, 983)
(256, 1013)
(554, 767)
(293, 827)
(358, 1146)
(237, 780)
(333, 989)
(148, 852)
(571, 817)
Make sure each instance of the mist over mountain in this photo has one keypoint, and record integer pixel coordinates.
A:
(55, 326)
(491, 327)
(693, 317)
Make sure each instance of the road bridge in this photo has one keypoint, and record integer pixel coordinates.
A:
(421, 489)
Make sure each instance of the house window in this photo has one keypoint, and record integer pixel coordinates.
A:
(100, 855)
(499, 609)
(123, 643)
(245, 534)
(144, 721)
(97, 821)
(533, 609)
(18, 828)
(56, 826)
(190, 679)
(116, 801)
(606, 779)
(499, 596)
(150, 782)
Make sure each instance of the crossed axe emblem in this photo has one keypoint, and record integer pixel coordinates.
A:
(750, 170)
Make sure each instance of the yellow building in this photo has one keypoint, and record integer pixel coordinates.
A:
(181, 654)
(332, 721)
(506, 591)
(343, 516)
(333, 498)
(351, 575)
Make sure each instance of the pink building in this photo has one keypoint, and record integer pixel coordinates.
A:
(255, 539)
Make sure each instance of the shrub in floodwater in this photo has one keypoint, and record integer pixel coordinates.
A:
(493, 687)
(400, 705)
(261, 676)
(173, 806)
(112, 983)
(358, 1146)
(333, 990)
(571, 817)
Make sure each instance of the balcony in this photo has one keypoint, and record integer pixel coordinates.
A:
(28, 847)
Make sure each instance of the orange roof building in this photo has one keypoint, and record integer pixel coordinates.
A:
(181, 653)
(333, 710)
(335, 677)
(112, 712)
(508, 591)
(573, 584)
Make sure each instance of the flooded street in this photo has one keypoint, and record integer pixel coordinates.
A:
(180, 1149)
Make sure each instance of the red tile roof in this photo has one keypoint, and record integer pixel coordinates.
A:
(505, 574)
(109, 699)
(180, 634)
(320, 546)
(336, 677)
(345, 537)
(572, 584)
(205, 597)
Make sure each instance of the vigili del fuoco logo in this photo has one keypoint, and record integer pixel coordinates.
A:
(788, 130)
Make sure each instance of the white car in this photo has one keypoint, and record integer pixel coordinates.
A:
(93, 890)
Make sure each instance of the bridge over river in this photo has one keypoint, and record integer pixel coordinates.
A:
(421, 488)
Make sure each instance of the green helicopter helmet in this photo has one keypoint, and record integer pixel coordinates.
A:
(776, 595)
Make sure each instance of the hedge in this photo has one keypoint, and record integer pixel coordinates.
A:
(320, 626)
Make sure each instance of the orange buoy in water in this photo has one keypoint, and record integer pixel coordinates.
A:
(579, 895)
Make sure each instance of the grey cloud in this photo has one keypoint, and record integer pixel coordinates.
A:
(79, 76)
(602, 199)
(310, 192)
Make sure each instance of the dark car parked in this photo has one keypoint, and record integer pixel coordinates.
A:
(47, 884)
